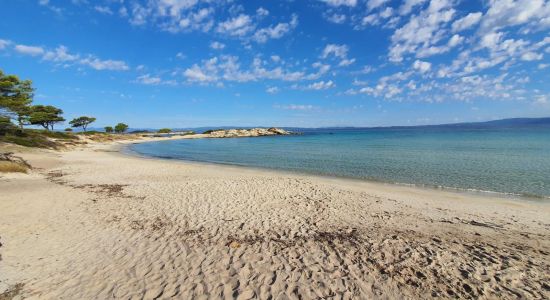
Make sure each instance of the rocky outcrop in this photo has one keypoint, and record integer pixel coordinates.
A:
(229, 133)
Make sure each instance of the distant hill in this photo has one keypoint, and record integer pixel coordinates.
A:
(496, 124)
(514, 123)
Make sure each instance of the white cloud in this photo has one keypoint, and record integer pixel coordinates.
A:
(60, 54)
(421, 31)
(169, 15)
(237, 26)
(228, 68)
(103, 9)
(295, 107)
(336, 18)
(505, 13)
(422, 66)
(217, 45)
(531, 56)
(350, 3)
(195, 74)
(148, 80)
(272, 90)
(541, 99)
(4, 43)
(346, 62)
(262, 12)
(321, 85)
(466, 22)
(29, 50)
(455, 40)
(109, 64)
(372, 4)
(377, 18)
(408, 6)
(275, 32)
(340, 51)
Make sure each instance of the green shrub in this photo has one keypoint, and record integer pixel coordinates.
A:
(36, 141)
(93, 132)
(165, 130)
(211, 130)
(51, 134)
(35, 138)
(5, 125)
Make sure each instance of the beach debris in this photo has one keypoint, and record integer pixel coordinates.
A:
(234, 245)
(109, 190)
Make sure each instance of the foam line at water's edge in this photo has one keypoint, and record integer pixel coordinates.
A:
(521, 196)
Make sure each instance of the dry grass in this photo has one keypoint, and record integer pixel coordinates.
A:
(12, 167)
(11, 292)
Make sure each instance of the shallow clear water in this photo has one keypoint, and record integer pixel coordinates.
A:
(505, 161)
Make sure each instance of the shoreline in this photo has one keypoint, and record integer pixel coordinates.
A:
(112, 225)
(125, 150)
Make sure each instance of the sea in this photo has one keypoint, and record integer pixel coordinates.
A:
(513, 162)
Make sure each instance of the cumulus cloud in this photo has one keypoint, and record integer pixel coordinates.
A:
(466, 22)
(275, 32)
(4, 43)
(421, 31)
(321, 85)
(340, 51)
(422, 66)
(29, 50)
(237, 26)
(295, 107)
(61, 55)
(228, 68)
(372, 4)
(262, 12)
(217, 45)
(336, 18)
(103, 9)
(506, 13)
(408, 6)
(149, 80)
(350, 3)
(170, 15)
(272, 90)
(531, 56)
(109, 64)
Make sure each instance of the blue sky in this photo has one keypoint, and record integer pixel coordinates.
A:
(191, 63)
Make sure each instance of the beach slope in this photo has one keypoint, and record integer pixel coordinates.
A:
(92, 223)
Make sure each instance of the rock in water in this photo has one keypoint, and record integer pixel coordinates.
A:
(228, 133)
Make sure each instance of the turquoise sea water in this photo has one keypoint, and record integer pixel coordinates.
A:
(504, 161)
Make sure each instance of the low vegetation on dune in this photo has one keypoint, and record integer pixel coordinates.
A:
(36, 138)
(12, 167)
(13, 164)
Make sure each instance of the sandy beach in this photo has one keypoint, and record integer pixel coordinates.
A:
(94, 223)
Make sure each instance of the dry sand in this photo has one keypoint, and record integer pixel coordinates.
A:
(92, 223)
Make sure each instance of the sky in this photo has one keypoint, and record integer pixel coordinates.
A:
(299, 63)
